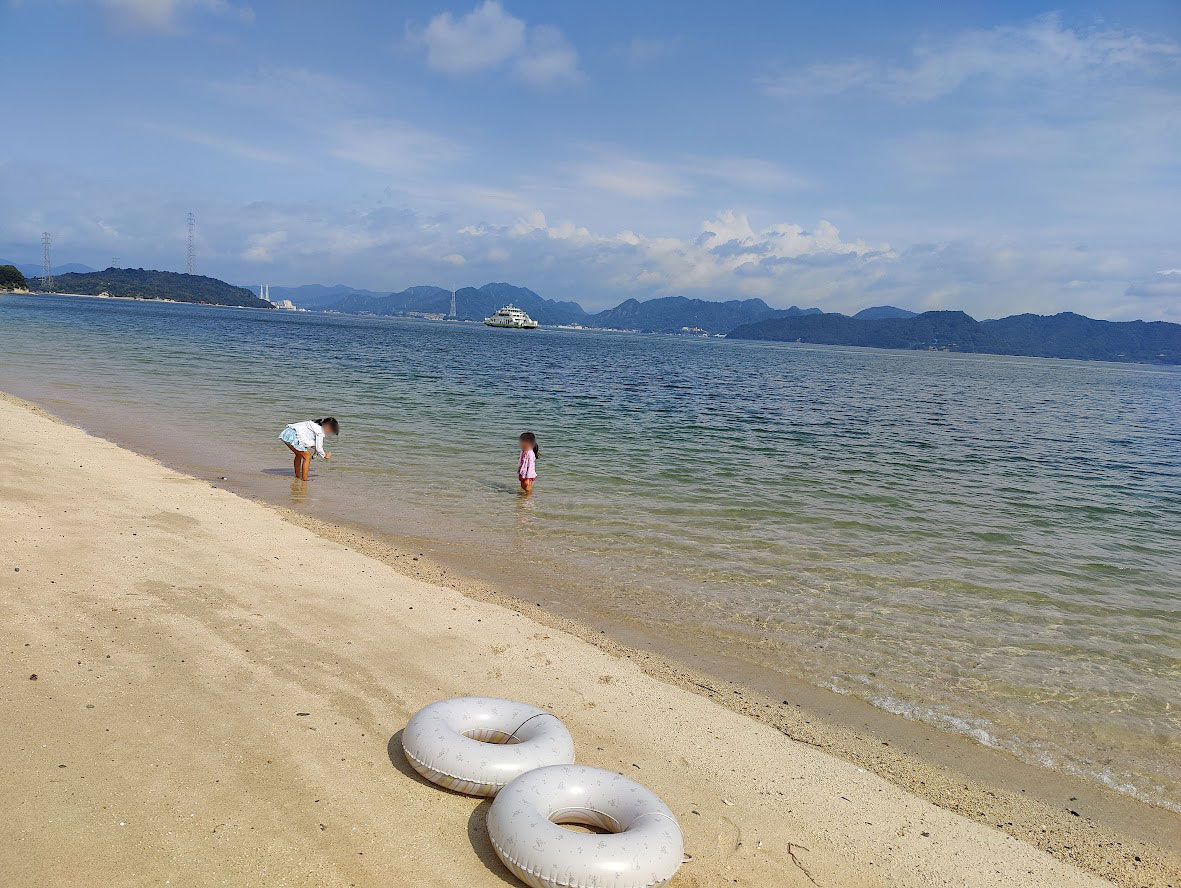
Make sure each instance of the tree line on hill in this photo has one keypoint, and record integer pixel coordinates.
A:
(11, 278)
(138, 283)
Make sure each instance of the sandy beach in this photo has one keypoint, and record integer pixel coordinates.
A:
(199, 691)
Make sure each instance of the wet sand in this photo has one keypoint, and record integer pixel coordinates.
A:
(219, 689)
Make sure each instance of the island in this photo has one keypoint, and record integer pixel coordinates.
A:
(139, 283)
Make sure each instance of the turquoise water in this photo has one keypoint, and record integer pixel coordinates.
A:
(989, 544)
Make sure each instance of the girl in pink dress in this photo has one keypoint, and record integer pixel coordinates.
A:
(527, 464)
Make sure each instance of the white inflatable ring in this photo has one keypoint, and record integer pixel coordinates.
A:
(645, 851)
(475, 745)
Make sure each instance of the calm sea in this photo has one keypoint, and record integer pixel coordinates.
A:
(988, 544)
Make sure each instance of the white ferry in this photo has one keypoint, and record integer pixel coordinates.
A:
(511, 316)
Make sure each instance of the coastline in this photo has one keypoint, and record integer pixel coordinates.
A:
(1102, 831)
(181, 640)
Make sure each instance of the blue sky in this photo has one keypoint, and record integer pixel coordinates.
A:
(996, 157)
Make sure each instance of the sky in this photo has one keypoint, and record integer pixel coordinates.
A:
(996, 157)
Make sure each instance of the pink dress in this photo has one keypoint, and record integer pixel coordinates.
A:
(527, 466)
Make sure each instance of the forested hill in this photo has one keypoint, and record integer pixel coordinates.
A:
(138, 283)
(1065, 335)
(672, 314)
(471, 303)
(11, 278)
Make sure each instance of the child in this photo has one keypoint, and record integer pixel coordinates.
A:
(306, 439)
(527, 464)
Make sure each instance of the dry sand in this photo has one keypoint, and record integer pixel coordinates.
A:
(218, 694)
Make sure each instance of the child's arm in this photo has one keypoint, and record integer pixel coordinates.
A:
(320, 446)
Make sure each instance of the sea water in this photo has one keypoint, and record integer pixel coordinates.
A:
(989, 544)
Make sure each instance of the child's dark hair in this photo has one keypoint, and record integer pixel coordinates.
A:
(330, 423)
(530, 438)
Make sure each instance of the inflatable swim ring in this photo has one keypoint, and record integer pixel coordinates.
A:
(475, 745)
(645, 850)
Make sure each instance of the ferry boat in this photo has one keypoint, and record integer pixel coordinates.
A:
(511, 316)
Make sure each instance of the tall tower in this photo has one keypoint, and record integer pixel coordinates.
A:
(453, 314)
(191, 256)
(47, 275)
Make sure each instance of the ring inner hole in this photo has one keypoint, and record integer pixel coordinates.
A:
(490, 735)
(586, 820)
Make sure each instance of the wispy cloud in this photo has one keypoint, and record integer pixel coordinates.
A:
(224, 144)
(338, 117)
(623, 174)
(490, 38)
(293, 92)
(612, 169)
(167, 15)
(643, 50)
(391, 145)
(1043, 50)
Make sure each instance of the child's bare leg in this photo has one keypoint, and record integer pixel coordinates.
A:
(307, 464)
(527, 485)
(295, 462)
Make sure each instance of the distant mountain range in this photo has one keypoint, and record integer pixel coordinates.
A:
(1064, 335)
(316, 297)
(29, 270)
(138, 283)
(670, 314)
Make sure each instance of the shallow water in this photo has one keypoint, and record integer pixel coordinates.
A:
(985, 543)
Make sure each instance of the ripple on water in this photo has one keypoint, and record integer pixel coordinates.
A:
(983, 543)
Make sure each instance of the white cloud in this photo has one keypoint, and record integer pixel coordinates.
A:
(1043, 50)
(489, 37)
(728, 257)
(485, 37)
(549, 60)
(261, 247)
(166, 15)
(386, 244)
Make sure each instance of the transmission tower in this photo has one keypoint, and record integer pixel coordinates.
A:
(47, 274)
(114, 262)
(191, 256)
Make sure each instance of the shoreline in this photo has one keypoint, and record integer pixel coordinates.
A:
(666, 333)
(1130, 853)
